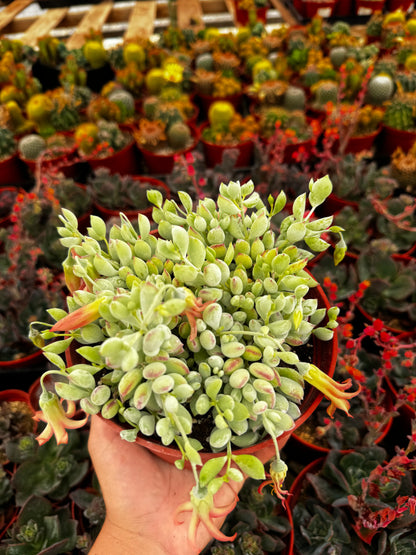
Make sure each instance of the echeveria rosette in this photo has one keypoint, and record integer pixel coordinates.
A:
(198, 324)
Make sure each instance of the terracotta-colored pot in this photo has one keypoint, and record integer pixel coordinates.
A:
(107, 213)
(324, 356)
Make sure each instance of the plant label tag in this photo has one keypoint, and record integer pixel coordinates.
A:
(324, 12)
(365, 11)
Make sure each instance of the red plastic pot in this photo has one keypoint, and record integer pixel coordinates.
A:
(393, 5)
(213, 153)
(343, 8)
(24, 362)
(12, 171)
(107, 213)
(324, 8)
(162, 164)
(392, 138)
(361, 142)
(242, 16)
(125, 161)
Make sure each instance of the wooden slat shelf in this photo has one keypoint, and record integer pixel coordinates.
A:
(123, 21)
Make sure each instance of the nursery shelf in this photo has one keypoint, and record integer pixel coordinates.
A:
(118, 21)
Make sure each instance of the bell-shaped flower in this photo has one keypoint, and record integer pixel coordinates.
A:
(57, 418)
(80, 317)
(203, 510)
(277, 475)
(334, 391)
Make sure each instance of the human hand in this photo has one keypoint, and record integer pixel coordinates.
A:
(141, 493)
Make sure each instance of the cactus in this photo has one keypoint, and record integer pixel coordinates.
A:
(31, 146)
(134, 53)
(13, 118)
(204, 61)
(204, 81)
(39, 109)
(51, 50)
(220, 113)
(86, 137)
(150, 133)
(225, 60)
(403, 168)
(95, 53)
(338, 55)
(325, 91)
(294, 98)
(406, 81)
(124, 100)
(72, 73)
(179, 135)
(7, 143)
(102, 107)
(226, 84)
(380, 89)
(131, 79)
(155, 80)
(399, 115)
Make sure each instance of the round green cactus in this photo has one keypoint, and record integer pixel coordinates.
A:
(31, 146)
(178, 135)
(380, 89)
(294, 98)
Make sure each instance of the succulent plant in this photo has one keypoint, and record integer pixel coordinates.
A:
(51, 50)
(72, 74)
(8, 144)
(179, 135)
(324, 92)
(380, 88)
(100, 138)
(403, 168)
(391, 293)
(31, 146)
(40, 527)
(227, 280)
(16, 421)
(118, 192)
(294, 98)
(95, 52)
(399, 114)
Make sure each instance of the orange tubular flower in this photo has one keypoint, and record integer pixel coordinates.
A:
(194, 310)
(203, 510)
(79, 318)
(278, 470)
(334, 391)
(57, 418)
